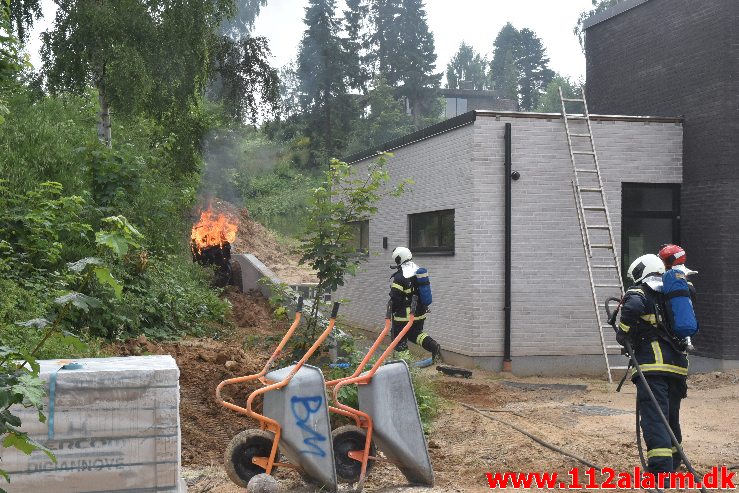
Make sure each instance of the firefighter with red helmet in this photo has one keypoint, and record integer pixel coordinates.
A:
(665, 366)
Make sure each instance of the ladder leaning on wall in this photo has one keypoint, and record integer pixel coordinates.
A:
(596, 229)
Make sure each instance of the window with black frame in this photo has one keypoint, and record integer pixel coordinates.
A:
(432, 232)
(650, 219)
(360, 239)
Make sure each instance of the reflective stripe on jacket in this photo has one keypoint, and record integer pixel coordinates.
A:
(639, 320)
(402, 291)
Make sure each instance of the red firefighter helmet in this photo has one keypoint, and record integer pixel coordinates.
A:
(672, 255)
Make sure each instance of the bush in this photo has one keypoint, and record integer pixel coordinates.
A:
(169, 299)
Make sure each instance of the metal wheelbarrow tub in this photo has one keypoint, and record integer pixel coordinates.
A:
(301, 409)
(397, 430)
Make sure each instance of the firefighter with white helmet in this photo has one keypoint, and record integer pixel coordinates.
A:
(404, 285)
(663, 363)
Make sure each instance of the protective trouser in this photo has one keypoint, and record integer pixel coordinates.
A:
(662, 456)
(415, 334)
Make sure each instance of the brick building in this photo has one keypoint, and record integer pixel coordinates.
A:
(681, 57)
(453, 220)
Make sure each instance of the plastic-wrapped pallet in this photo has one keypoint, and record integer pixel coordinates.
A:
(113, 425)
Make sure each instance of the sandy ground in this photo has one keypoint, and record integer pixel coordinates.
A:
(586, 417)
(583, 416)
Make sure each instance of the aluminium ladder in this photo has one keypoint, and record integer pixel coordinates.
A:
(602, 259)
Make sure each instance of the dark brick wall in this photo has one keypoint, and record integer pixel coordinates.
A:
(680, 57)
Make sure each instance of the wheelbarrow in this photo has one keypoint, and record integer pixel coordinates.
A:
(295, 422)
(388, 414)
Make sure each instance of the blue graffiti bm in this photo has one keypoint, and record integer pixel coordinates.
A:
(302, 408)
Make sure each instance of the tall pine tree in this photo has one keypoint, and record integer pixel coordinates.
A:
(467, 65)
(416, 61)
(520, 68)
(384, 45)
(504, 71)
(535, 71)
(356, 44)
(322, 64)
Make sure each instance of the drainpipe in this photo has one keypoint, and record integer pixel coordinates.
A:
(507, 305)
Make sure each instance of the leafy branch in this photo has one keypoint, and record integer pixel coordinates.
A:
(20, 383)
(347, 195)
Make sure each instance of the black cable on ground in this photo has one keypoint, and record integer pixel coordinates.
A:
(540, 441)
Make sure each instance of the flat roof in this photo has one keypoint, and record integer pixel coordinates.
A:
(470, 117)
(619, 8)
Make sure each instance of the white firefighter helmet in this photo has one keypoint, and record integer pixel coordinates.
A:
(644, 266)
(401, 255)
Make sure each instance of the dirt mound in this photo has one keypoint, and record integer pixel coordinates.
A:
(279, 254)
(207, 426)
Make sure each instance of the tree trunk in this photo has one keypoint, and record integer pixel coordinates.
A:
(104, 130)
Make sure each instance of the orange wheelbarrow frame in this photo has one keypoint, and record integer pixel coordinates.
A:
(362, 419)
(266, 423)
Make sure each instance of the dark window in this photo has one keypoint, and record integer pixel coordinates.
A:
(432, 232)
(360, 239)
(650, 218)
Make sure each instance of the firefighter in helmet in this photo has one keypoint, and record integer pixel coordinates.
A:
(403, 286)
(662, 361)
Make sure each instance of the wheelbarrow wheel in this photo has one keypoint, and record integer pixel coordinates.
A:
(346, 439)
(242, 449)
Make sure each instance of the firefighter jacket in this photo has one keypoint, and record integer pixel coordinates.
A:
(653, 348)
(402, 290)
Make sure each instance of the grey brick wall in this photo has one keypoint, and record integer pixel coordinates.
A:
(463, 169)
(441, 169)
(679, 57)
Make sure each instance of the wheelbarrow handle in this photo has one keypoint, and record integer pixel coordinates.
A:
(335, 310)
(300, 305)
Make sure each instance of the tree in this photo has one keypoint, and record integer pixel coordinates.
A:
(23, 13)
(10, 58)
(384, 46)
(149, 57)
(503, 67)
(416, 61)
(535, 73)
(467, 65)
(356, 44)
(346, 196)
(385, 118)
(599, 6)
(323, 88)
(521, 57)
(550, 101)
(244, 79)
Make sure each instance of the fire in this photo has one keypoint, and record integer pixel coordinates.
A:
(213, 229)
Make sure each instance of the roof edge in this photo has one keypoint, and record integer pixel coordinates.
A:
(417, 136)
(617, 9)
(471, 116)
(594, 117)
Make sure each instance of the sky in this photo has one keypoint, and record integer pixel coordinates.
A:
(476, 22)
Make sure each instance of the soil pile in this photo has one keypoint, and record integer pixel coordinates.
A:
(279, 254)
(207, 426)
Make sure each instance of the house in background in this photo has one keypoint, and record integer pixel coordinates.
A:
(453, 220)
(459, 101)
(681, 57)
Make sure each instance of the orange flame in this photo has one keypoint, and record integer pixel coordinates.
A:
(213, 229)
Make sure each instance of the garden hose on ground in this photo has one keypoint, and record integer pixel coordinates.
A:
(630, 354)
(542, 442)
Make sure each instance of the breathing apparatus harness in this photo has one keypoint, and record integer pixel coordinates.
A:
(633, 362)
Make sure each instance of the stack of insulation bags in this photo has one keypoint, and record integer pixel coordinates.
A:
(113, 426)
